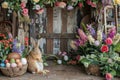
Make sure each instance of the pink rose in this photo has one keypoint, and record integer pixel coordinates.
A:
(104, 48)
(108, 76)
(108, 41)
(23, 5)
(88, 2)
(80, 5)
(25, 12)
(93, 4)
(64, 53)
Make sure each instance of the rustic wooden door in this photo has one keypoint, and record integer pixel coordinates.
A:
(55, 27)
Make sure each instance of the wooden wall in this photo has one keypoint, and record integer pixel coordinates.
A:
(56, 27)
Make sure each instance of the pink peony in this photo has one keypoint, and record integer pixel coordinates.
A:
(25, 12)
(23, 5)
(108, 41)
(108, 76)
(104, 48)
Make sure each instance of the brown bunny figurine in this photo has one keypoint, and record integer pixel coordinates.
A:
(35, 62)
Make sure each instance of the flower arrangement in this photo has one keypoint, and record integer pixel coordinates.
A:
(21, 6)
(96, 48)
(5, 46)
(12, 52)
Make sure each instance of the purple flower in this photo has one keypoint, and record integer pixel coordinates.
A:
(104, 36)
(69, 7)
(112, 32)
(91, 30)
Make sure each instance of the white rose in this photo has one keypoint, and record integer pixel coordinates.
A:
(37, 7)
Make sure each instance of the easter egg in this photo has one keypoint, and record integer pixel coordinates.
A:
(3, 61)
(7, 65)
(17, 60)
(23, 61)
(19, 64)
(13, 65)
(6, 61)
(12, 60)
(2, 64)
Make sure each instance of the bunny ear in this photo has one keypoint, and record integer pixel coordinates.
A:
(38, 42)
(33, 42)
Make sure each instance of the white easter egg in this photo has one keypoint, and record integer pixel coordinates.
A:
(59, 61)
(13, 65)
(23, 61)
(7, 65)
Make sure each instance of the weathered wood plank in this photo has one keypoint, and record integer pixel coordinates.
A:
(49, 29)
(14, 20)
(63, 42)
(57, 35)
(57, 23)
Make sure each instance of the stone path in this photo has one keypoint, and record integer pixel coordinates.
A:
(58, 72)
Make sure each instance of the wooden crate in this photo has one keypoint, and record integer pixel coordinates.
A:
(55, 28)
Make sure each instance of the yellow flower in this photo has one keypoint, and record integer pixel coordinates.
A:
(91, 39)
(36, 1)
(116, 39)
(5, 5)
(116, 1)
(72, 45)
(99, 35)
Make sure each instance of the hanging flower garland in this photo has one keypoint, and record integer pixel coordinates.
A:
(38, 5)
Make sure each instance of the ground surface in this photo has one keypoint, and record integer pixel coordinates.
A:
(58, 72)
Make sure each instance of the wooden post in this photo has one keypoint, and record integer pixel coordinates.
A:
(14, 24)
(116, 17)
(63, 42)
(49, 29)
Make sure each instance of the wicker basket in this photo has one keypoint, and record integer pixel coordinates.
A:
(13, 72)
(93, 70)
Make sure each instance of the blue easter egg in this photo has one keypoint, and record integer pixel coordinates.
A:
(2, 64)
(3, 61)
